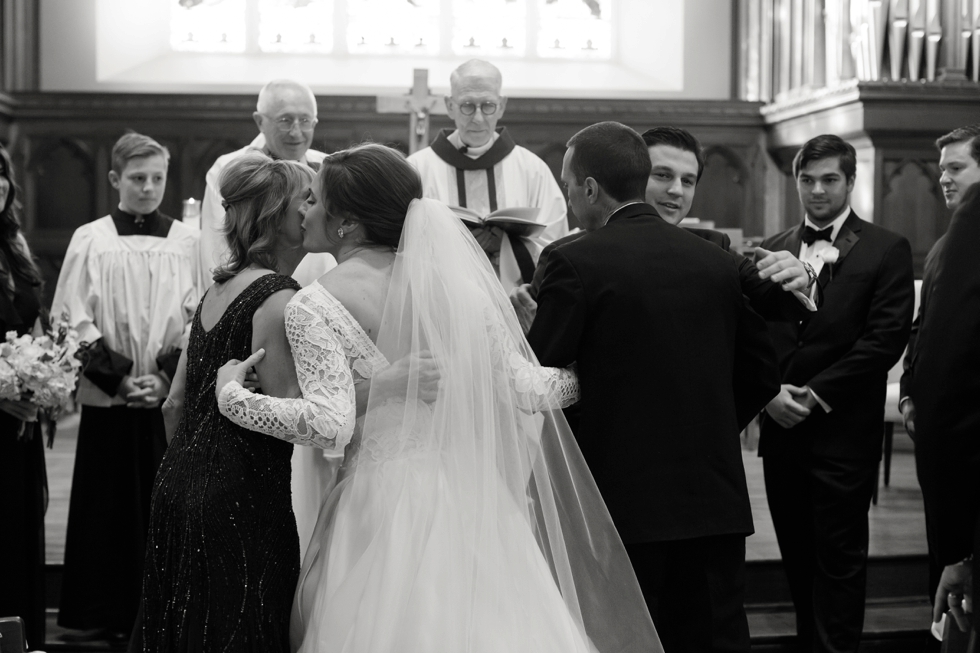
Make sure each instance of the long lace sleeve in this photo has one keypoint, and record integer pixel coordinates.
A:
(538, 388)
(324, 416)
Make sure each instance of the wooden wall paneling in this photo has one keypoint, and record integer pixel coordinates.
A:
(722, 194)
(60, 132)
(913, 203)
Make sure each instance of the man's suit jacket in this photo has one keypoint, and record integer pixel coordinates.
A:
(946, 390)
(843, 351)
(928, 278)
(767, 298)
(653, 316)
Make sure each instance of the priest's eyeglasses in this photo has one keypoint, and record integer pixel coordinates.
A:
(285, 123)
(486, 108)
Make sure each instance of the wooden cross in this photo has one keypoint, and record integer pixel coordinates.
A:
(419, 105)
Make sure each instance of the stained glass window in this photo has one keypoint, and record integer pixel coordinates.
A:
(296, 25)
(575, 29)
(490, 28)
(208, 25)
(393, 27)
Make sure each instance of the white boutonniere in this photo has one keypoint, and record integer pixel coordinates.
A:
(829, 256)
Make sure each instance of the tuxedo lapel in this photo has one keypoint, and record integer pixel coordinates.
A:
(847, 237)
(795, 241)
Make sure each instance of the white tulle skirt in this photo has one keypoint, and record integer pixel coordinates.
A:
(392, 568)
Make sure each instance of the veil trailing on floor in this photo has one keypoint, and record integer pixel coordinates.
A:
(472, 523)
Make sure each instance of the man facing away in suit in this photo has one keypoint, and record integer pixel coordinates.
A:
(943, 381)
(821, 436)
(959, 161)
(653, 317)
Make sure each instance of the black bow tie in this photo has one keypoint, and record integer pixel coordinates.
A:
(811, 235)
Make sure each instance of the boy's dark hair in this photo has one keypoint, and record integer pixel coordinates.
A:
(827, 146)
(676, 137)
(615, 156)
(135, 146)
(960, 134)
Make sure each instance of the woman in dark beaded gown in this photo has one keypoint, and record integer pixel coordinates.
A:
(22, 474)
(223, 553)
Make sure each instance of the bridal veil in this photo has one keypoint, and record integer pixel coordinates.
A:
(470, 524)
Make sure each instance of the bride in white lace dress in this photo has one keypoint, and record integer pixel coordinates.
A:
(463, 521)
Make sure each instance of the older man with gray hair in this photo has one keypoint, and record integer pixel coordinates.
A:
(285, 115)
(479, 167)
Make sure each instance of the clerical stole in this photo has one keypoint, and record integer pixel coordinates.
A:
(500, 149)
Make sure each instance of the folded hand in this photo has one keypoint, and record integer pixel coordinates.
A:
(786, 408)
(145, 391)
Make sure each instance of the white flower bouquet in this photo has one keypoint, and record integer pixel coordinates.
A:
(41, 369)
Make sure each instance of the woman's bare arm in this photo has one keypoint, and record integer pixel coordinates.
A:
(173, 407)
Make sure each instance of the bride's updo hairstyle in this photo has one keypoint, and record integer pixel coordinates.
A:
(257, 191)
(373, 185)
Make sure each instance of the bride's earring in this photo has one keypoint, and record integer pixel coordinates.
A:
(340, 232)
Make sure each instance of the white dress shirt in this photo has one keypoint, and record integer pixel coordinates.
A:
(812, 254)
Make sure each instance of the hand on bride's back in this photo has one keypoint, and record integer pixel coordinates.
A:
(393, 381)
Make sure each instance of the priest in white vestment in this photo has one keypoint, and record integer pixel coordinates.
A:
(479, 167)
(286, 116)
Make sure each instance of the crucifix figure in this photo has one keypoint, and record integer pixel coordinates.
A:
(419, 105)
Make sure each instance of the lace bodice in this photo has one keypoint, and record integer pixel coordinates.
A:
(332, 353)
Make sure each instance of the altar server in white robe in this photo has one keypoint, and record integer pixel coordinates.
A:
(479, 167)
(285, 114)
(130, 284)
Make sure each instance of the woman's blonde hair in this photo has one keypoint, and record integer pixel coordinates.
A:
(257, 191)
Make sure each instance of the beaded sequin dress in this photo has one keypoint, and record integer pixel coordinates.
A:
(223, 554)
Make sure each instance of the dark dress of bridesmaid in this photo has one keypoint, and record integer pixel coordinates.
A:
(23, 484)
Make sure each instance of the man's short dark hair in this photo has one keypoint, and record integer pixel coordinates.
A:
(827, 146)
(615, 156)
(961, 134)
(676, 137)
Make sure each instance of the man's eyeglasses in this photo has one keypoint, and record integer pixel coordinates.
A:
(285, 123)
(486, 108)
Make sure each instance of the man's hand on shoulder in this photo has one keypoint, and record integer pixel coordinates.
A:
(783, 268)
(786, 407)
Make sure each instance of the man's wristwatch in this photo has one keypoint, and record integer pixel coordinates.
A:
(810, 272)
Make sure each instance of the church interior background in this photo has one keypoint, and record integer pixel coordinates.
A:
(752, 79)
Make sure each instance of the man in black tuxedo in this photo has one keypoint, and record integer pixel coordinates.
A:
(779, 287)
(943, 379)
(959, 162)
(821, 436)
(653, 317)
